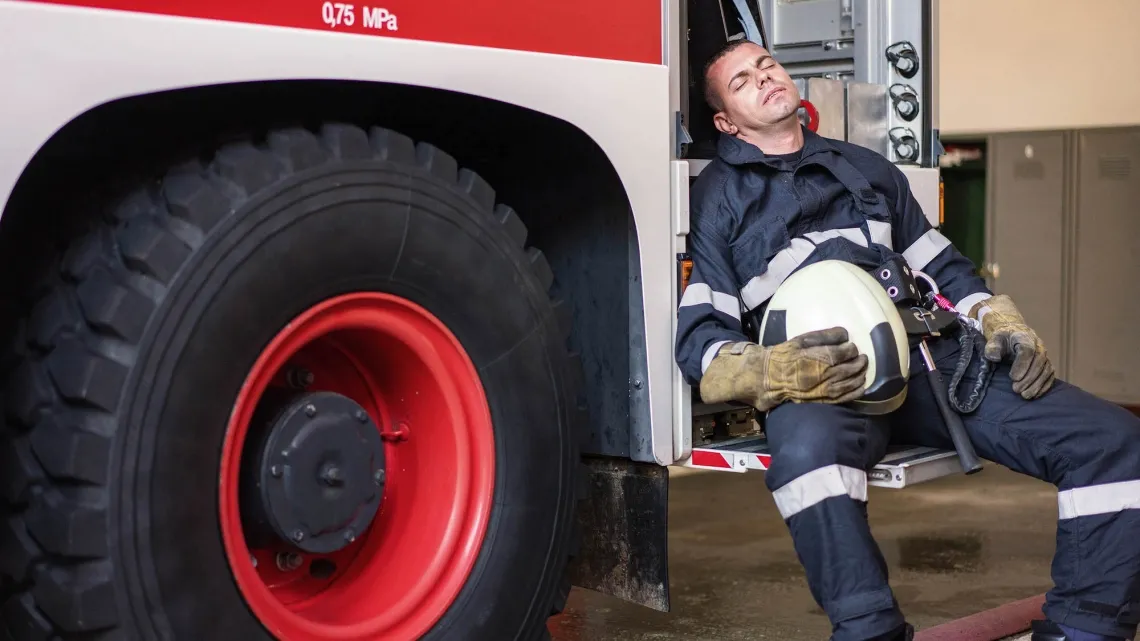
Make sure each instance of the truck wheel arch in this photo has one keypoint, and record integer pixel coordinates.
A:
(563, 186)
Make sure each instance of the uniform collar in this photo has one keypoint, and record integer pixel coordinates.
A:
(735, 151)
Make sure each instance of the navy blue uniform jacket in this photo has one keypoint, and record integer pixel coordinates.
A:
(756, 219)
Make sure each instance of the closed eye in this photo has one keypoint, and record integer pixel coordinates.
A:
(740, 79)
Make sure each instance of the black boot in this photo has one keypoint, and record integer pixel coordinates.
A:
(1047, 631)
(905, 633)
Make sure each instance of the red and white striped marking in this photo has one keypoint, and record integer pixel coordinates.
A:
(728, 461)
(900, 468)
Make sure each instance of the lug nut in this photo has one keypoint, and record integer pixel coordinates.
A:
(310, 410)
(298, 536)
(275, 471)
(378, 477)
(362, 416)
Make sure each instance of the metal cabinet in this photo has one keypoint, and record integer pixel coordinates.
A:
(1026, 230)
(1104, 306)
(1063, 226)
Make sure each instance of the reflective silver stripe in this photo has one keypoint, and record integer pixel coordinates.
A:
(880, 233)
(702, 294)
(966, 303)
(818, 485)
(1098, 499)
(923, 250)
(853, 234)
(761, 287)
(710, 354)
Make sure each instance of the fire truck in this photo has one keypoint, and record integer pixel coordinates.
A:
(354, 321)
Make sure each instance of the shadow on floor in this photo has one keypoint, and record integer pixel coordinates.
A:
(955, 546)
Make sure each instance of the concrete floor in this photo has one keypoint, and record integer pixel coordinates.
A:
(955, 546)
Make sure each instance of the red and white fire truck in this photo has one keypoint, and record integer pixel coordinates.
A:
(353, 321)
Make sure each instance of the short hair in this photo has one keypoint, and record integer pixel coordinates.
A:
(712, 95)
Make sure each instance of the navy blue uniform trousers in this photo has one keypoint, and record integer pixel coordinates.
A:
(1088, 448)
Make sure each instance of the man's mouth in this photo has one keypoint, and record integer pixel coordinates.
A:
(772, 94)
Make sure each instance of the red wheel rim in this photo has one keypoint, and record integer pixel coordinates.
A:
(397, 578)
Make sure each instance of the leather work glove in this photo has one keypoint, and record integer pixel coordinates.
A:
(821, 366)
(1007, 335)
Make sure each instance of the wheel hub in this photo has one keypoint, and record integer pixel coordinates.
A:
(318, 477)
(416, 381)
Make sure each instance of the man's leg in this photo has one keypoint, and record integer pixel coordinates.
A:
(1089, 449)
(820, 454)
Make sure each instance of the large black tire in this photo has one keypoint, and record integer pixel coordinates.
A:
(128, 367)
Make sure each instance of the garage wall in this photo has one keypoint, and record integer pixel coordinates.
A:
(1014, 65)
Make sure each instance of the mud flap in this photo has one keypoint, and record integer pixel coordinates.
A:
(624, 532)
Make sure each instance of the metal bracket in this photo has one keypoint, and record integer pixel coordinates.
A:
(683, 137)
(935, 147)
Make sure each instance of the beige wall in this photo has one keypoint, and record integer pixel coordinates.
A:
(1010, 65)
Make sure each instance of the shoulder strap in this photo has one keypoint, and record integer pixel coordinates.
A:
(870, 202)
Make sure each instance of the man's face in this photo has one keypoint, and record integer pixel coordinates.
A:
(754, 88)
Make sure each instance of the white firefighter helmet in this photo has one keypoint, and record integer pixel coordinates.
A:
(834, 293)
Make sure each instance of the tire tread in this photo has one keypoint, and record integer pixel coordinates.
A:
(75, 349)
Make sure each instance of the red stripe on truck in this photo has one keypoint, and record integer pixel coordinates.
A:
(628, 30)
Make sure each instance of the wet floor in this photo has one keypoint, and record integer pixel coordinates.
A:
(955, 546)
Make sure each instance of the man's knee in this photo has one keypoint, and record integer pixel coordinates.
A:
(1102, 443)
(806, 436)
(1118, 433)
(1097, 454)
(818, 452)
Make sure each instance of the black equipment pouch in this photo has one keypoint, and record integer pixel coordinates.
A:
(895, 277)
(902, 287)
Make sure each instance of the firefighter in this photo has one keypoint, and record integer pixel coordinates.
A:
(778, 197)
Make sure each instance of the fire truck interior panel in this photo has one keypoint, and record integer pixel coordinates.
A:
(863, 64)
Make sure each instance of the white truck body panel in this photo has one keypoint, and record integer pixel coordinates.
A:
(58, 62)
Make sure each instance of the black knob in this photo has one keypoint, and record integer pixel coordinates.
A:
(905, 99)
(904, 57)
(905, 143)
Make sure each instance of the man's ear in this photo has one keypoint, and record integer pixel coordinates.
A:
(724, 125)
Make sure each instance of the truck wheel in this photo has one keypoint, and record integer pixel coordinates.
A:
(313, 389)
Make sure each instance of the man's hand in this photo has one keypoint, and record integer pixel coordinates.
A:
(1007, 334)
(821, 366)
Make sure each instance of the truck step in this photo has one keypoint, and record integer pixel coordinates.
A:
(903, 465)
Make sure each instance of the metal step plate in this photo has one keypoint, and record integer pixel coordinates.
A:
(910, 465)
(903, 465)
